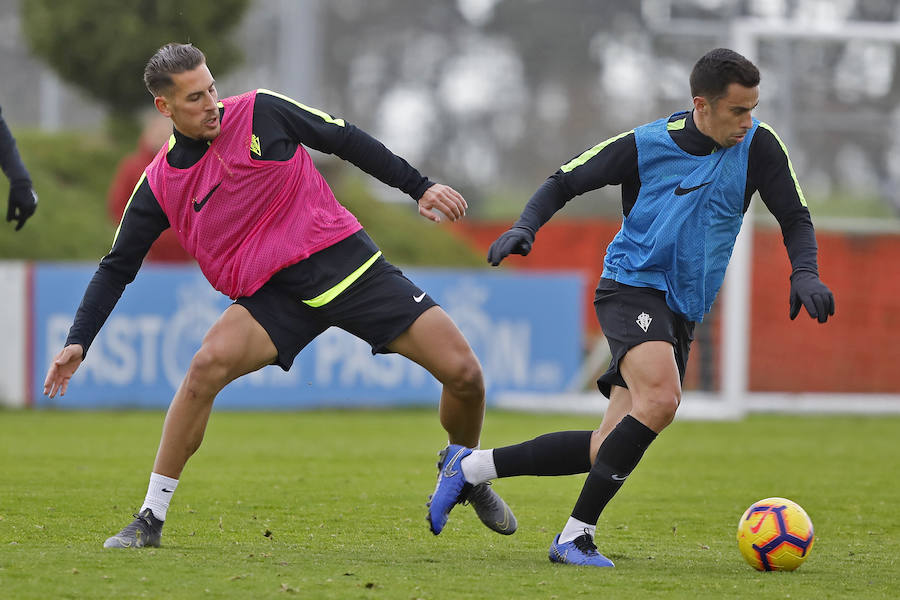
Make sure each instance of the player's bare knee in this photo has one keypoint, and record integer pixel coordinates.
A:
(664, 404)
(467, 379)
(656, 407)
(209, 367)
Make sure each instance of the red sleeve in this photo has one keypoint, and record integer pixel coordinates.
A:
(127, 174)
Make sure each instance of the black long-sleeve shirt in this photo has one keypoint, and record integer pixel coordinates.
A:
(280, 125)
(10, 161)
(768, 170)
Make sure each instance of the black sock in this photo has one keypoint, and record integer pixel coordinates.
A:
(617, 457)
(560, 453)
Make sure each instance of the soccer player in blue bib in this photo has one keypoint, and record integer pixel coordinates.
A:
(686, 183)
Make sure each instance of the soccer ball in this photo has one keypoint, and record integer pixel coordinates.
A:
(775, 534)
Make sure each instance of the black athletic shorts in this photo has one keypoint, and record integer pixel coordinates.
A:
(376, 308)
(633, 315)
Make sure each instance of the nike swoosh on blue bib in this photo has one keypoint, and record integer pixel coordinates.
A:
(680, 191)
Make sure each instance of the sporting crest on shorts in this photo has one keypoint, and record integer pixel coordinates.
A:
(643, 321)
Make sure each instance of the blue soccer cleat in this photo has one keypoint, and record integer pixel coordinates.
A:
(451, 488)
(580, 551)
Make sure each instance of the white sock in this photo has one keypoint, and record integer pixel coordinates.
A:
(159, 494)
(478, 467)
(575, 528)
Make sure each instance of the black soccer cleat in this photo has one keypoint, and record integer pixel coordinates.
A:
(491, 509)
(145, 530)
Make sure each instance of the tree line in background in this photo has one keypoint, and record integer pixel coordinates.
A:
(102, 46)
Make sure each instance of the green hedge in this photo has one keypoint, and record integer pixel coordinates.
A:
(72, 172)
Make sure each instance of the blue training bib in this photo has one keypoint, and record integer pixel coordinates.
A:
(680, 233)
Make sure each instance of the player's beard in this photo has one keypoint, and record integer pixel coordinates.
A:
(208, 135)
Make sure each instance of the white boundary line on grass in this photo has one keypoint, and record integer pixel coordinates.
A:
(709, 406)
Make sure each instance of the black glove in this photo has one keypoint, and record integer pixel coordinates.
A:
(22, 204)
(807, 289)
(517, 240)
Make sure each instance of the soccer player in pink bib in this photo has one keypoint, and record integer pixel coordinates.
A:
(241, 192)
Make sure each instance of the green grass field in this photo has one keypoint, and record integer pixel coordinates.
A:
(331, 505)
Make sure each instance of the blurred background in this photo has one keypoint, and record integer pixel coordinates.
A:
(491, 96)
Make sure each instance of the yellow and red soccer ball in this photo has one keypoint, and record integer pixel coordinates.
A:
(775, 534)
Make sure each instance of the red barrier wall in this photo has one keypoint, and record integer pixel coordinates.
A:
(857, 351)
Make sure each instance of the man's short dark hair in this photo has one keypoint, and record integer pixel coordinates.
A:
(170, 59)
(718, 69)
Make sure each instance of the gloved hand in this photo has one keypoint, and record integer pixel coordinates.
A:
(807, 289)
(22, 204)
(517, 240)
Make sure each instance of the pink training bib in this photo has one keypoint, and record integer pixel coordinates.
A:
(244, 219)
